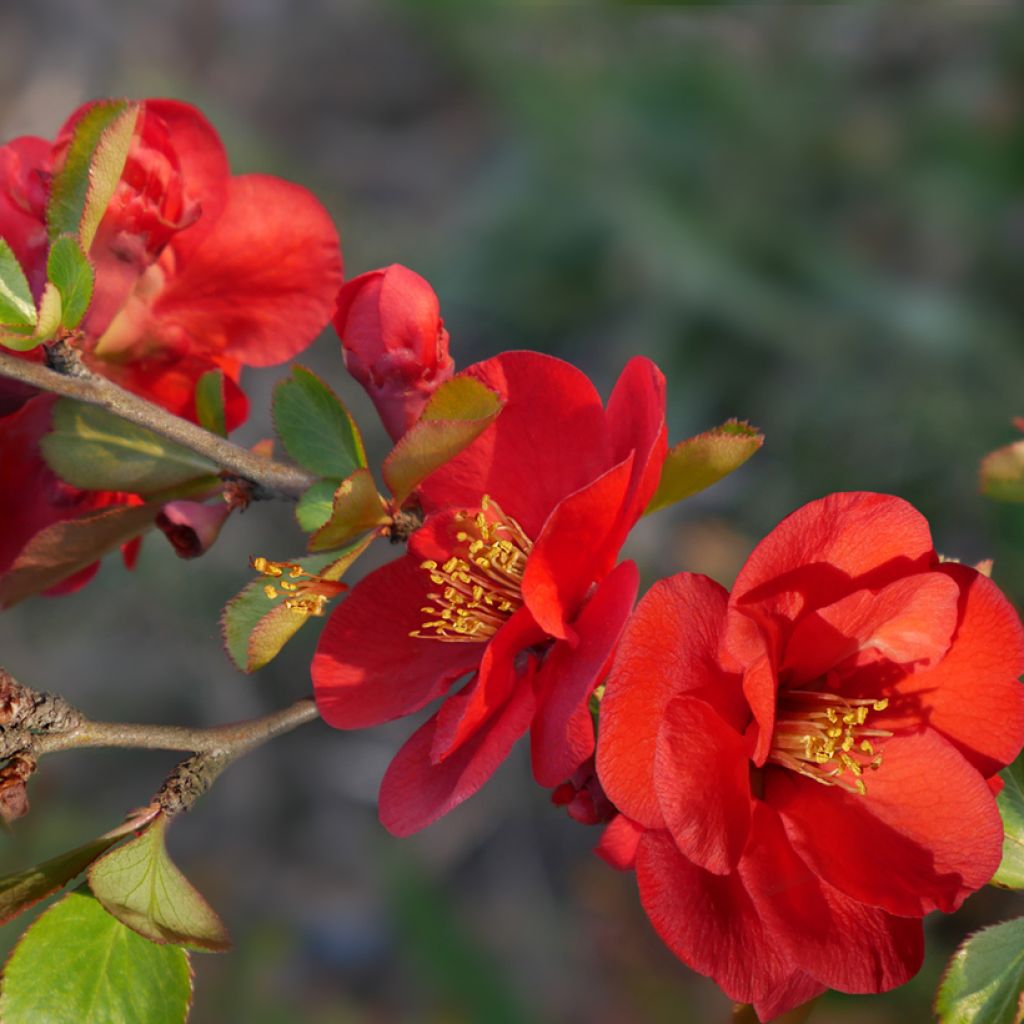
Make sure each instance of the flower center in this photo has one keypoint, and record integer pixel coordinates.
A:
(823, 737)
(481, 583)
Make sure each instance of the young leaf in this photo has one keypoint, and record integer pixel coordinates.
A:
(71, 182)
(79, 965)
(143, 888)
(357, 507)
(316, 428)
(71, 273)
(457, 414)
(984, 982)
(64, 548)
(96, 450)
(105, 169)
(1011, 806)
(315, 506)
(210, 402)
(256, 626)
(17, 307)
(698, 462)
(1002, 473)
(51, 311)
(25, 889)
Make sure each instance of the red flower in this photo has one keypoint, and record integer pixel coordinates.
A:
(512, 578)
(196, 269)
(804, 766)
(394, 342)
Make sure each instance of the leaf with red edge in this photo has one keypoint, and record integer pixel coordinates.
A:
(64, 548)
(984, 982)
(1011, 807)
(698, 462)
(143, 888)
(106, 166)
(1002, 473)
(70, 272)
(357, 507)
(458, 412)
(17, 307)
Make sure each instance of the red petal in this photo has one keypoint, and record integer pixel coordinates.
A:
(911, 620)
(367, 669)
(928, 819)
(416, 792)
(548, 441)
(973, 696)
(618, 844)
(709, 820)
(25, 165)
(577, 546)
(262, 284)
(668, 647)
(568, 675)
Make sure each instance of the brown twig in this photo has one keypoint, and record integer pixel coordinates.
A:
(75, 381)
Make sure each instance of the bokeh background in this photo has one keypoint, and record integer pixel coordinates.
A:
(812, 216)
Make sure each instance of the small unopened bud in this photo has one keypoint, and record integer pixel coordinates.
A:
(192, 527)
(394, 342)
(14, 778)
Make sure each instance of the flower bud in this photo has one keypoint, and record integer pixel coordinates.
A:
(394, 342)
(191, 526)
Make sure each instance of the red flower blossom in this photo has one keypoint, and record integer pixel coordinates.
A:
(804, 766)
(394, 342)
(512, 578)
(196, 269)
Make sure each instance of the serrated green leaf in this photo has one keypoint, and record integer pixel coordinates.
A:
(71, 183)
(315, 427)
(698, 462)
(457, 414)
(17, 307)
(253, 610)
(105, 169)
(71, 273)
(96, 450)
(143, 888)
(315, 506)
(25, 889)
(1002, 473)
(210, 402)
(79, 965)
(51, 310)
(984, 981)
(357, 507)
(1011, 806)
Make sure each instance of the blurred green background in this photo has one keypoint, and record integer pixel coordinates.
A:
(812, 216)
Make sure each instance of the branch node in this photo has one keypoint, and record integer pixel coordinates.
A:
(190, 780)
(65, 359)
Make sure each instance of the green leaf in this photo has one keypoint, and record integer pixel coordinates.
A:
(315, 506)
(984, 981)
(210, 402)
(316, 429)
(105, 170)
(79, 965)
(96, 450)
(256, 626)
(458, 412)
(25, 889)
(51, 311)
(71, 183)
(357, 507)
(698, 462)
(1011, 806)
(71, 273)
(1002, 473)
(17, 307)
(143, 888)
(64, 548)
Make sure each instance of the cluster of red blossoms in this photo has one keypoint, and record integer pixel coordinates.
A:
(798, 771)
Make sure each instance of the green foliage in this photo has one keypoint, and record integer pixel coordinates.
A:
(105, 169)
(79, 965)
(17, 307)
(984, 983)
(94, 449)
(143, 888)
(316, 429)
(210, 402)
(457, 414)
(356, 508)
(698, 462)
(71, 274)
(1011, 806)
(315, 506)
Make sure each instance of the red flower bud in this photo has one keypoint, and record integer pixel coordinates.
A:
(192, 527)
(394, 342)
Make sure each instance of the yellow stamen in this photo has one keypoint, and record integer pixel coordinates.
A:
(306, 593)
